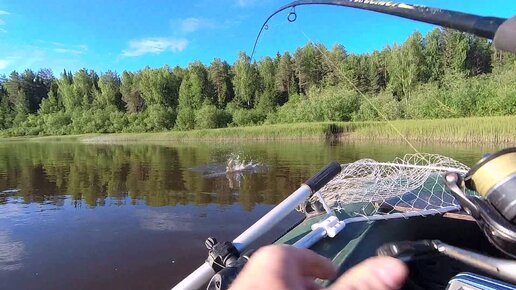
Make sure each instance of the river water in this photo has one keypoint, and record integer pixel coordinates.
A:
(77, 216)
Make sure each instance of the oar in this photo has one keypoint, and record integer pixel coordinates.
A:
(204, 273)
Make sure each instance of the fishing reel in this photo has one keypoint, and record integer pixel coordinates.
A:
(494, 209)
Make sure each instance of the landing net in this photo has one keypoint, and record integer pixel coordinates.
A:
(412, 185)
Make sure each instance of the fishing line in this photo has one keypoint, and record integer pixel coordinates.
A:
(337, 68)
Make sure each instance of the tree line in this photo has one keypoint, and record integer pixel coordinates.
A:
(442, 74)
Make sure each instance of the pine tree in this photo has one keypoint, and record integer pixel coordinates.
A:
(109, 94)
(130, 90)
(219, 75)
(286, 77)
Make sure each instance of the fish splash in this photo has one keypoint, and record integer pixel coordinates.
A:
(235, 164)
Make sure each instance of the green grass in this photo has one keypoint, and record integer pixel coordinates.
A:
(264, 132)
(494, 130)
(62, 138)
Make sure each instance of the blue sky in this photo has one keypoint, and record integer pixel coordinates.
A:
(128, 35)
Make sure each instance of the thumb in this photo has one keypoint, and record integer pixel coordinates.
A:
(377, 273)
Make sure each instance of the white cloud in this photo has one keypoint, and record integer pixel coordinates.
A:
(190, 24)
(69, 51)
(63, 48)
(2, 22)
(193, 24)
(245, 3)
(155, 45)
(3, 63)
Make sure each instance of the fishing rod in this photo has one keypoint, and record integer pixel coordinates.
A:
(501, 30)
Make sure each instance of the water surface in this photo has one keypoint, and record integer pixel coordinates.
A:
(76, 216)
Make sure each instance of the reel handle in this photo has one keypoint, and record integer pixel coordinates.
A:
(454, 182)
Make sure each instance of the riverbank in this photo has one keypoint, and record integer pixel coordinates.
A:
(485, 130)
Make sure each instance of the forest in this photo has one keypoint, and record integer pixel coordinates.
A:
(443, 74)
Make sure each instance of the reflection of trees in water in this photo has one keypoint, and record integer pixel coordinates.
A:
(158, 175)
(161, 175)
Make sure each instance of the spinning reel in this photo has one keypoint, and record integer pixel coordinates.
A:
(494, 210)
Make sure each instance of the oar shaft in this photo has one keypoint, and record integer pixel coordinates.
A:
(274, 216)
(196, 279)
(203, 274)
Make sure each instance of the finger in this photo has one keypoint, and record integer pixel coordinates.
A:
(378, 273)
(309, 284)
(313, 265)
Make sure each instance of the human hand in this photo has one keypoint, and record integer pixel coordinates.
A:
(289, 268)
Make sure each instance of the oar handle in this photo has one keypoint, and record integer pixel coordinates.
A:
(320, 179)
(203, 274)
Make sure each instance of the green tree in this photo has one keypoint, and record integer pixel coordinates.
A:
(478, 59)
(335, 64)
(159, 87)
(195, 90)
(130, 90)
(269, 95)
(406, 66)
(16, 93)
(245, 81)
(219, 75)
(66, 91)
(109, 94)
(308, 67)
(377, 70)
(85, 86)
(434, 54)
(52, 103)
(455, 50)
(6, 115)
(286, 77)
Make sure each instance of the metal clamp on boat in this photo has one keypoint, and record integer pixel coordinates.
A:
(221, 255)
(226, 261)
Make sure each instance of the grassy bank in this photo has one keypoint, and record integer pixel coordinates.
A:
(494, 130)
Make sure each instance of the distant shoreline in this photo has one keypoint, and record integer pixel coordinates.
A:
(478, 130)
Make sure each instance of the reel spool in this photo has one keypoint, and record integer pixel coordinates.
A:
(494, 179)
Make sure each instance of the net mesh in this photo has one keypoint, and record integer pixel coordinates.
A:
(410, 184)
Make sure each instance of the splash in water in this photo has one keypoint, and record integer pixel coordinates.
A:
(234, 164)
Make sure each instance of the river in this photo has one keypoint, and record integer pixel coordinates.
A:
(77, 216)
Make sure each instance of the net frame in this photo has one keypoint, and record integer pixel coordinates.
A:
(408, 186)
